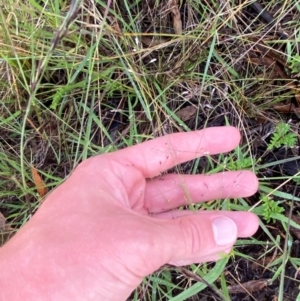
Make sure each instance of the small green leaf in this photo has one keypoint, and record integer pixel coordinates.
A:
(282, 136)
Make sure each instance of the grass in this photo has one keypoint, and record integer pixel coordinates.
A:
(80, 79)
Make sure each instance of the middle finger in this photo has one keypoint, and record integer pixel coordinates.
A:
(171, 191)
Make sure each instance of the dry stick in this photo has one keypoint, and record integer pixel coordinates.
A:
(269, 19)
(71, 15)
(264, 13)
(61, 32)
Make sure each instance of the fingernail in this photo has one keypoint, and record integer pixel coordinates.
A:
(225, 231)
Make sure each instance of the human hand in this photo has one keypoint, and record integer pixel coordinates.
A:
(111, 223)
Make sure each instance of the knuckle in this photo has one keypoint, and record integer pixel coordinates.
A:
(193, 235)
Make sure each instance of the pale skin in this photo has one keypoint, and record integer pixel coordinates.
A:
(113, 221)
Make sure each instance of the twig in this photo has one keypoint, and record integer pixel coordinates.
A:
(269, 19)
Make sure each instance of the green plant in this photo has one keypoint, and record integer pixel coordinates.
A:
(270, 207)
(241, 159)
(295, 63)
(241, 163)
(282, 136)
(296, 180)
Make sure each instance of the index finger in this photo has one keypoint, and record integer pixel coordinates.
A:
(155, 156)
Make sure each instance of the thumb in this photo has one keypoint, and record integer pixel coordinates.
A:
(199, 237)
